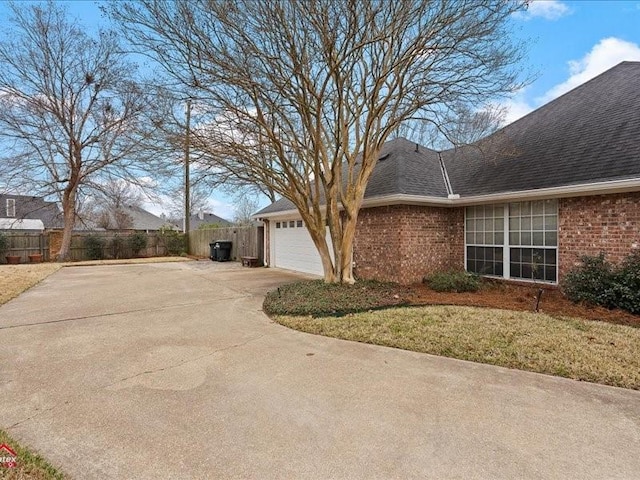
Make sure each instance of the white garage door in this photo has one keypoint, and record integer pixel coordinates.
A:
(293, 248)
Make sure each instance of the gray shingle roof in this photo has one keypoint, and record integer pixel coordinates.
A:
(195, 221)
(36, 208)
(143, 220)
(588, 135)
(402, 169)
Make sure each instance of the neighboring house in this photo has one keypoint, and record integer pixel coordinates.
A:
(134, 218)
(202, 218)
(23, 212)
(524, 203)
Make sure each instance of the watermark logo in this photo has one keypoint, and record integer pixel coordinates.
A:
(8, 458)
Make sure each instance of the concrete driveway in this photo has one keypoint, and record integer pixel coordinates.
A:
(171, 371)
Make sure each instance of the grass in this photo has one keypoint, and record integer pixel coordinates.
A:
(15, 279)
(29, 465)
(579, 349)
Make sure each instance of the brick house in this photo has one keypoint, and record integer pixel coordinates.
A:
(522, 204)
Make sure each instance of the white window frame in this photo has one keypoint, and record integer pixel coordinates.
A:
(506, 246)
(11, 207)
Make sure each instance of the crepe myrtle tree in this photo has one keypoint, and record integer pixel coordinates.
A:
(70, 108)
(302, 95)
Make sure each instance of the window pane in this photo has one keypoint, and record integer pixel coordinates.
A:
(499, 238)
(277, 224)
(525, 238)
(514, 224)
(525, 255)
(550, 256)
(499, 270)
(514, 209)
(516, 254)
(537, 223)
(471, 225)
(526, 271)
(470, 237)
(551, 222)
(538, 238)
(525, 223)
(525, 208)
(551, 239)
(299, 223)
(516, 270)
(514, 238)
(488, 225)
(537, 208)
(284, 224)
(470, 213)
(550, 207)
(499, 224)
(488, 238)
(550, 273)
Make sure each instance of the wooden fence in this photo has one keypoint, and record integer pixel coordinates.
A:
(25, 244)
(115, 245)
(245, 241)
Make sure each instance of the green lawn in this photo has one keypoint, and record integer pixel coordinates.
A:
(29, 465)
(580, 349)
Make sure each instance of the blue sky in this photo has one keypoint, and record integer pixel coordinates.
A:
(568, 43)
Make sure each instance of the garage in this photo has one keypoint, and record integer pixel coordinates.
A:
(292, 247)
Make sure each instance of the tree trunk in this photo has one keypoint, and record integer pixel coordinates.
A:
(69, 215)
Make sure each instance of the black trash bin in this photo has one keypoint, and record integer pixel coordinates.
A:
(220, 251)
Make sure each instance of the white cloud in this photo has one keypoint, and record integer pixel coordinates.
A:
(546, 9)
(607, 53)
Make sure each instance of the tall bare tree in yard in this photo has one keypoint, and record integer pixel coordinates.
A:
(70, 109)
(302, 95)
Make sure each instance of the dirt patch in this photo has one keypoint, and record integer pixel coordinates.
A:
(520, 298)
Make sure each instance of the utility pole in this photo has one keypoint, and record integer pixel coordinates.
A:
(187, 145)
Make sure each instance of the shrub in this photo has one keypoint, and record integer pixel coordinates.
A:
(138, 242)
(597, 282)
(314, 297)
(592, 282)
(118, 245)
(453, 282)
(627, 284)
(94, 246)
(174, 242)
(4, 243)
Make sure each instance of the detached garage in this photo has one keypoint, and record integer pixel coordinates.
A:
(292, 247)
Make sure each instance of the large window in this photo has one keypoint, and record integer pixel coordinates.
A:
(524, 247)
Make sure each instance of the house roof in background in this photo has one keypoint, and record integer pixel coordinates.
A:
(587, 136)
(207, 218)
(141, 219)
(33, 208)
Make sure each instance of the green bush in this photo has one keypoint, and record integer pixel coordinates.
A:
(453, 281)
(118, 246)
(627, 284)
(138, 242)
(174, 242)
(94, 246)
(598, 282)
(4, 243)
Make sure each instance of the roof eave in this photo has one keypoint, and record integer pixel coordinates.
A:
(578, 190)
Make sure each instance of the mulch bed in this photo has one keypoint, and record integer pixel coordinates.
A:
(519, 297)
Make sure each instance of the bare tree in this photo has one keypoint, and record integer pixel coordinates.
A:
(70, 109)
(300, 96)
(245, 206)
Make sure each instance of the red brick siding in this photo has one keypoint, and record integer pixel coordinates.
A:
(403, 243)
(594, 224)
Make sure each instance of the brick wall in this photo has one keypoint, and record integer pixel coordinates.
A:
(589, 225)
(402, 243)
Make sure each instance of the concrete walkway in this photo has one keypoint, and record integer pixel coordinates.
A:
(171, 371)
